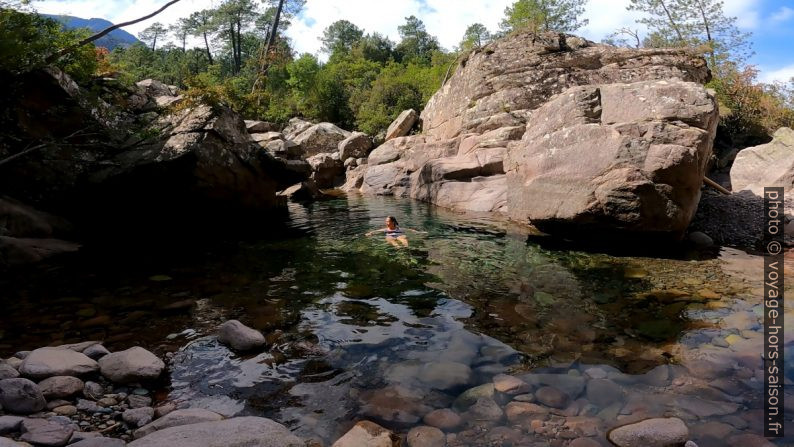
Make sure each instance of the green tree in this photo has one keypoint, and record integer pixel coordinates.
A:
(416, 44)
(476, 36)
(151, 34)
(231, 18)
(200, 24)
(710, 26)
(374, 47)
(545, 15)
(340, 37)
(664, 20)
(180, 30)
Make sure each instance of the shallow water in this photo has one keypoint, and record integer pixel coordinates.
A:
(361, 330)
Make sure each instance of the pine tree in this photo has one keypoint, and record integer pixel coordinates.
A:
(340, 37)
(545, 15)
(476, 36)
(151, 34)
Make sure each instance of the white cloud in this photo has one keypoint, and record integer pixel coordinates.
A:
(782, 15)
(747, 12)
(446, 19)
(783, 74)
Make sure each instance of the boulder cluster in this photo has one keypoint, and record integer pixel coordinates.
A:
(562, 133)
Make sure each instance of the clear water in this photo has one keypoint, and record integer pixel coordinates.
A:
(359, 329)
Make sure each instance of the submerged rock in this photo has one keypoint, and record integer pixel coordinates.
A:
(176, 418)
(236, 432)
(367, 434)
(658, 432)
(240, 337)
(426, 437)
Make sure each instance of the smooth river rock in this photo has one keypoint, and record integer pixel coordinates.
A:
(57, 387)
(132, 365)
(176, 418)
(138, 417)
(48, 362)
(21, 396)
(236, 432)
(48, 433)
(426, 437)
(240, 337)
(657, 432)
(367, 434)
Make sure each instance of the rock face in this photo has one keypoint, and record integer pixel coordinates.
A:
(770, 164)
(603, 157)
(620, 136)
(132, 365)
(240, 337)
(48, 362)
(131, 164)
(236, 432)
(659, 432)
(21, 396)
(402, 124)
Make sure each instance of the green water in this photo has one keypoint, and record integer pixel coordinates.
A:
(359, 329)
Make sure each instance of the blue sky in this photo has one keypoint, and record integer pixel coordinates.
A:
(770, 21)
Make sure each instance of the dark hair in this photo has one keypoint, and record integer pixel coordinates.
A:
(393, 219)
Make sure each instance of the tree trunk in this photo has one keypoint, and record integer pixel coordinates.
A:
(672, 22)
(54, 57)
(207, 45)
(712, 56)
(154, 42)
(270, 40)
(234, 47)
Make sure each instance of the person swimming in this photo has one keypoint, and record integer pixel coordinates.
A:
(394, 234)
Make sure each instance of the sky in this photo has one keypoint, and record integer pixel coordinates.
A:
(771, 22)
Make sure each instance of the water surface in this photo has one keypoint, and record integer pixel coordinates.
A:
(358, 329)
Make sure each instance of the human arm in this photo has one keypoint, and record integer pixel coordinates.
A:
(370, 233)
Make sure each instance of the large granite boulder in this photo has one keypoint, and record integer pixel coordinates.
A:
(402, 124)
(327, 170)
(614, 157)
(320, 138)
(236, 432)
(770, 164)
(480, 128)
(357, 145)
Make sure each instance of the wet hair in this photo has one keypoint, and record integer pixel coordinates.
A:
(393, 219)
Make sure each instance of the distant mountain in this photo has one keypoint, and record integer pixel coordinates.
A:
(117, 38)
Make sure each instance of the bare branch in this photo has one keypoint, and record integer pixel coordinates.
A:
(54, 57)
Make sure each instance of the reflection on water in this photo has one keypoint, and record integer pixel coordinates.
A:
(358, 329)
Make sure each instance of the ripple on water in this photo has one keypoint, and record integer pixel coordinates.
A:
(358, 329)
